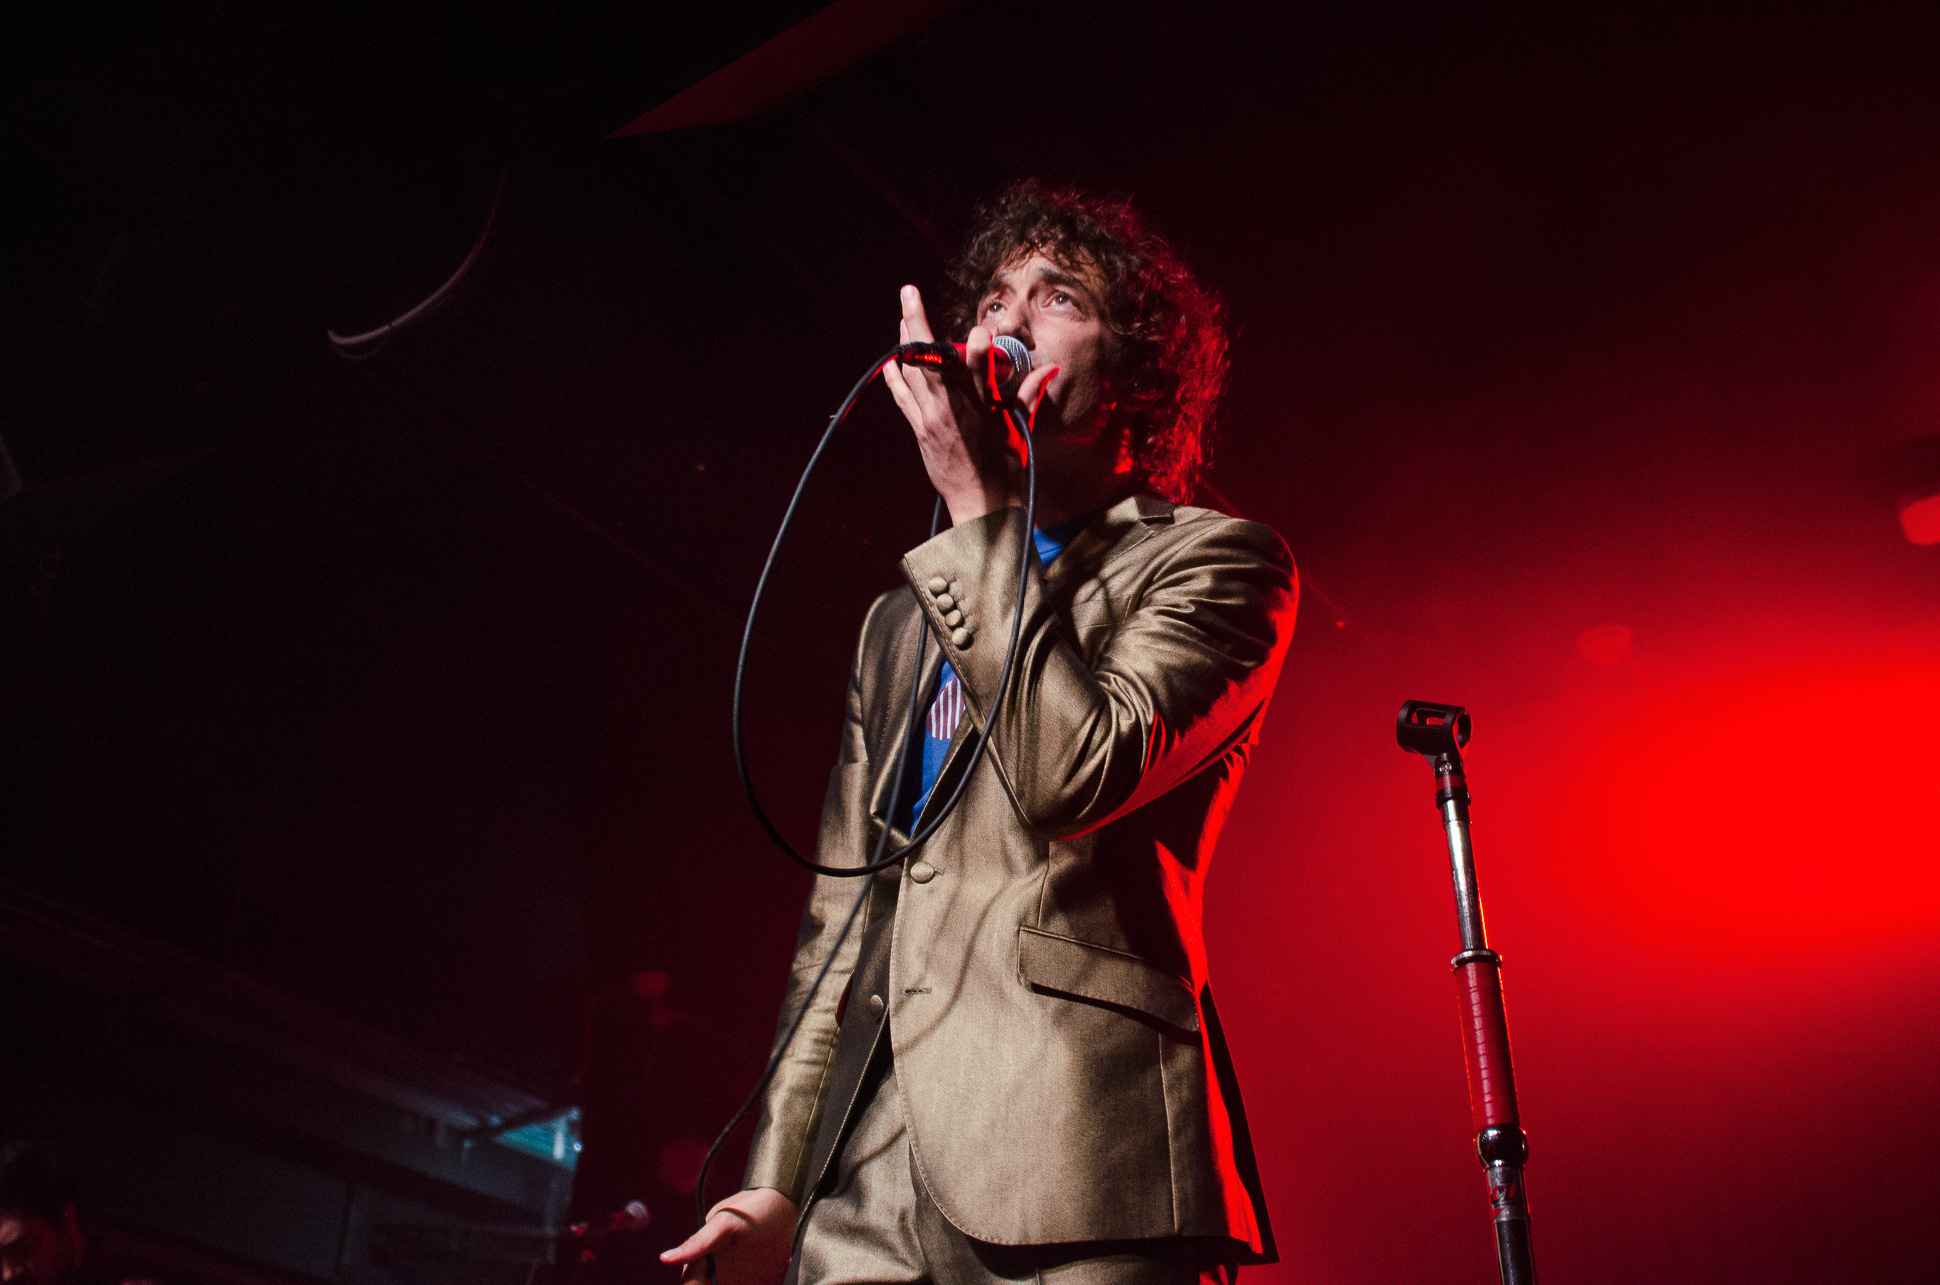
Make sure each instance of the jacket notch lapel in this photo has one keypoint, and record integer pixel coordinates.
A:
(895, 720)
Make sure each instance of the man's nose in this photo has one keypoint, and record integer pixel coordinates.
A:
(1017, 326)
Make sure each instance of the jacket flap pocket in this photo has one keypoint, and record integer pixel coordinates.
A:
(1108, 976)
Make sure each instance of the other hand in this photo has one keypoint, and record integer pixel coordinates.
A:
(751, 1235)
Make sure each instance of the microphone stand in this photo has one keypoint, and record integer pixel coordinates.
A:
(1438, 733)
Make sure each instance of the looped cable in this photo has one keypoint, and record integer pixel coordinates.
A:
(1021, 424)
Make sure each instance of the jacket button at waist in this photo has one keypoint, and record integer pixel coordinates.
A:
(876, 1006)
(922, 871)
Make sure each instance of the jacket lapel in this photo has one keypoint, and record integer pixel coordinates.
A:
(1105, 539)
(894, 717)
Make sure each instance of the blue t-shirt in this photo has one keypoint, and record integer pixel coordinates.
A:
(939, 727)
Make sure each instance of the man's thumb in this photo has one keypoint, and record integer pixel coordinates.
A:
(1031, 394)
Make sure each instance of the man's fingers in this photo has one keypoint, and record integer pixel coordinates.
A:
(918, 392)
(1034, 386)
(907, 383)
(976, 352)
(720, 1229)
(916, 326)
(895, 379)
(697, 1246)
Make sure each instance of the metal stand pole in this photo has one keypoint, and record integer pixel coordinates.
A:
(1438, 733)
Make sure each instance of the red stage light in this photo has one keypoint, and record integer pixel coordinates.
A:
(1920, 519)
(1606, 644)
(1784, 810)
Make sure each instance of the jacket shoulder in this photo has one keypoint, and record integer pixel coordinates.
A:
(890, 608)
(888, 617)
(1193, 526)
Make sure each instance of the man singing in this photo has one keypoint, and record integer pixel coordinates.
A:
(1025, 1076)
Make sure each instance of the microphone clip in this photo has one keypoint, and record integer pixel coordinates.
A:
(935, 356)
(1010, 359)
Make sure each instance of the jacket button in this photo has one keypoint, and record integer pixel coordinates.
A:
(953, 619)
(944, 602)
(922, 871)
(960, 636)
(876, 1006)
(956, 590)
(938, 584)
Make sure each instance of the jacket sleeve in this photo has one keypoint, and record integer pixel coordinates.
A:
(792, 1105)
(1186, 671)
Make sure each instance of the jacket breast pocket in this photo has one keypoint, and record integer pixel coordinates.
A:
(1081, 970)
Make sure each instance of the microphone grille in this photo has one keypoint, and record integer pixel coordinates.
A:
(1013, 348)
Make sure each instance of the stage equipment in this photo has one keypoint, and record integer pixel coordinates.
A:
(362, 346)
(583, 1243)
(1438, 733)
(931, 355)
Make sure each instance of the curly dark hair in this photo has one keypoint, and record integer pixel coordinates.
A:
(1169, 360)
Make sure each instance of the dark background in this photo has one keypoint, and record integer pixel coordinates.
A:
(402, 684)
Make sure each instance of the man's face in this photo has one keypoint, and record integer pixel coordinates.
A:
(1058, 313)
(34, 1252)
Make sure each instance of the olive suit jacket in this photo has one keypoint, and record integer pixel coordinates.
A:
(1039, 967)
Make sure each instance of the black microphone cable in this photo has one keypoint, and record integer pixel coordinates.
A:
(1023, 428)
(878, 859)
